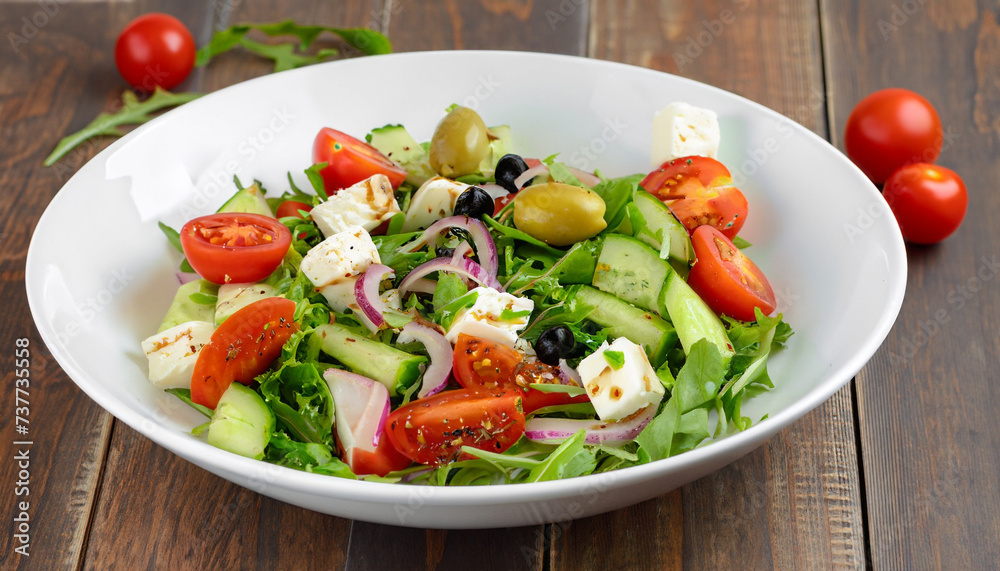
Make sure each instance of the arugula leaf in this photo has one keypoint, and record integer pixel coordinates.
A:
(701, 376)
(516, 234)
(172, 235)
(308, 456)
(570, 459)
(449, 288)
(316, 179)
(132, 112)
(185, 395)
(289, 55)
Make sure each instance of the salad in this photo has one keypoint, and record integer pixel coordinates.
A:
(452, 313)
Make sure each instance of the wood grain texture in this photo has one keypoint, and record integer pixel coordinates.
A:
(927, 401)
(795, 502)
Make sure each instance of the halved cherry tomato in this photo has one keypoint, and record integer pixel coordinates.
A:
(292, 208)
(350, 161)
(231, 247)
(699, 190)
(729, 282)
(481, 363)
(243, 347)
(384, 459)
(432, 430)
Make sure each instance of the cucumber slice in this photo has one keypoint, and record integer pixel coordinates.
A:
(692, 317)
(662, 225)
(621, 319)
(249, 200)
(395, 369)
(631, 270)
(242, 423)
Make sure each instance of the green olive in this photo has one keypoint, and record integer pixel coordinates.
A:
(559, 214)
(459, 144)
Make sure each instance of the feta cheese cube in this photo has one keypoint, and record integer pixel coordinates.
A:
(618, 393)
(173, 352)
(486, 317)
(434, 200)
(681, 130)
(342, 256)
(366, 204)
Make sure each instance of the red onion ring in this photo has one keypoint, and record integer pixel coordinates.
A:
(529, 174)
(466, 268)
(486, 250)
(440, 351)
(362, 408)
(367, 294)
(587, 178)
(557, 430)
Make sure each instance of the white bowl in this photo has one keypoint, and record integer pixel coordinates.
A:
(100, 274)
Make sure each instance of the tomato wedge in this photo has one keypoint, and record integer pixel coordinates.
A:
(484, 364)
(699, 190)
(350, 161)
(232, 247)
(243, 347)
(384, 459)
(729, 282)
(433, 430)
(292, 208)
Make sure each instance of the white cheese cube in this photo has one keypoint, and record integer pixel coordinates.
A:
(434, 200)
(234, 297)
(682, 130)
(366, 204)
(341, 296)
(340, 257)
(173, 352)
(618, 393)
(486, 317)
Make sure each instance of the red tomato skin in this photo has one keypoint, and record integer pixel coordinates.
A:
(243, 347)
(892, 128)
(292, 208)
(234, 264)
(432, 430)
(730, 283)
(507, 370)
(383, 460)
(928, 201)
(501, 201)
(350, 161)
(155, 50)
(699, 190)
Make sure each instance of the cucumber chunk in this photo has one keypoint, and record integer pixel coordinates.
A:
(249, 200)
(395, 369)
(692, 317)
(242, 423)
(621, 319)
(631, 270)
(662, 226)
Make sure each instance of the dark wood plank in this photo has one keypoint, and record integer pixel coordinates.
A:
(470, 25)
(927, 401)
(795, 502)
(56, 74)
(145, 514)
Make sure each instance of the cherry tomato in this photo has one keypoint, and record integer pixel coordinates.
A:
(699, 190)
(891, 128)
(384, 459)
(929, 201)
(729, 282)
(432, 430)
(501, 201)
(291, 208)
(350, 161)
(230, 247)
(243, 347)
(481, 363)
(155, 50)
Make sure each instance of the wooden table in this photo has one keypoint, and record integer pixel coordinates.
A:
(898, 470)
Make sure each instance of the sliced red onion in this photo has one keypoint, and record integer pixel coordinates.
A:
(466, 267)
(186, 277)
(587, 178)
(486, 250)
(439, 349)
(568, 375)
(530, 174)
(460, 251)
(367, 294)
(494, 190)
(557, 430)
(362, 406)
(422, 285)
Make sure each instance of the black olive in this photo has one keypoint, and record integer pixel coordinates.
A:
(554, 343)
(443, 252)
(474, 202)
(509, 167)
